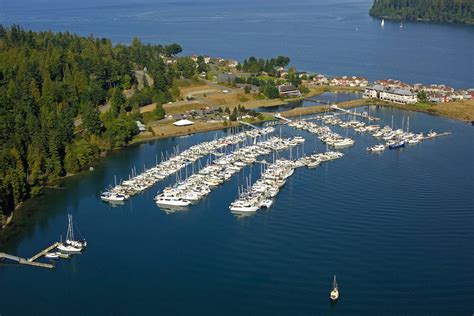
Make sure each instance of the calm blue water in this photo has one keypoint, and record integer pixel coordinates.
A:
(396, 228)
(334, 37)
(322, 99)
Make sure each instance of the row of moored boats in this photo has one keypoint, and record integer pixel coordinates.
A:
(200, 184)
(138, 183)
(261, 193)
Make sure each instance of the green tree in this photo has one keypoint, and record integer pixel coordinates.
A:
(186, 66)
(159, 112)
(173, 49)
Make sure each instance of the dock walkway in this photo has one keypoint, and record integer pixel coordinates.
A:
(367, 117)
(280, 117)
(32, 261)
(248, 124)
(25, 262)
(44, 252)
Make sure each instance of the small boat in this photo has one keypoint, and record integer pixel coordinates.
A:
(112, 197)
(397, 145)
(267, 203)
(343, 143)
(431, 134)
(376, 148)
(168, 200)
(313, 164)
(382, 24)
(299, 139)
(401, 24)
(335, 291)
(52, 255)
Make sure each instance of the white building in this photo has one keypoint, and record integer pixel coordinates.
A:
(402, 96)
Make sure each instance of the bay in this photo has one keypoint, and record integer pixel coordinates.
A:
(396, 228)
(334, 37)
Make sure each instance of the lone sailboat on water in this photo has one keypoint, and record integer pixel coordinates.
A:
(335, 291)
(382, 24)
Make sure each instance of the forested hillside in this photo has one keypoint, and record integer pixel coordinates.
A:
(51, 87)
(461, 11)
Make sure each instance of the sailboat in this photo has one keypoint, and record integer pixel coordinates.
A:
(382, 24)
(71, 245)
(401, 24)
(335, 290)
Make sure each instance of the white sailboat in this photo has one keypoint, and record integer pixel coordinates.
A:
(71, 245)
(382, 24)
(335, 290)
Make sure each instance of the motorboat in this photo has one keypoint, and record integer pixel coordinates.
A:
(376, 148)
(343, 143)
(52, 255)
(112, 197)
(299, 139)
(267, 203)
(396, 145)
(243, 206)
(335, 290)
(170, 200)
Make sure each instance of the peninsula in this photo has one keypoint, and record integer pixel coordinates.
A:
(445, 11)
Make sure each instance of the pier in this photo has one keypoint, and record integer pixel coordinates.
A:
(43, 252)
(280, 117)
(248, 124)
(437, 135)
(32, 261)
(368, 117)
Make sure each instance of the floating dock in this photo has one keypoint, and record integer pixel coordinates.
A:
(43, 252)
(32, 261)
(367, 117)
(278, 116)
(437, 135)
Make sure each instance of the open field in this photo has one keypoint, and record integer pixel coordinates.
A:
(459, 110)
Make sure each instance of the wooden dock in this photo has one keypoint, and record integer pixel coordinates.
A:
(32, 261)
(26, 262)
(437, 135)
(367, 117)
(44, 252)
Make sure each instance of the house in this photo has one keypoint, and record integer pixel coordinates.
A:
(320, 80)
(288, 91)
(392, 83)
(353, 81)
(395, 95)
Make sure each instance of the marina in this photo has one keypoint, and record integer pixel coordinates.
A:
(345, 217)
(170, 165)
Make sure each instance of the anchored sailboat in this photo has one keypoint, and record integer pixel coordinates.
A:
(335, 290)
(71, 245)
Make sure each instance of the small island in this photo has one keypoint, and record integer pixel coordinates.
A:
(444, 11)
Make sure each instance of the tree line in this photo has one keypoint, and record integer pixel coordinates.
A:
(51, 88)
(461, 11)
(270, 66)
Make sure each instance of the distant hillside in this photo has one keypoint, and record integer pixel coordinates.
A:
(451, 11)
